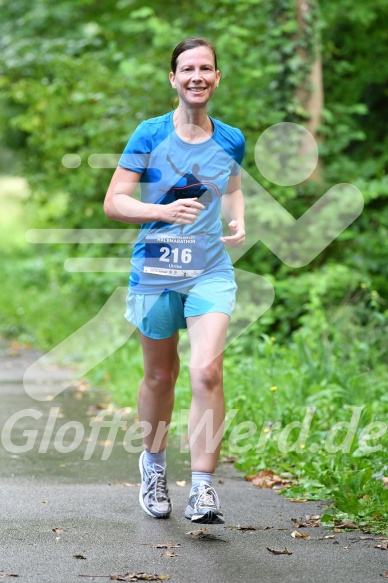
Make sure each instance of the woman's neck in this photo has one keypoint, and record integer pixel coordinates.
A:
(192, 125)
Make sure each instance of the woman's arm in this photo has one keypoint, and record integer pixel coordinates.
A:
(233, 211)
(120, 205)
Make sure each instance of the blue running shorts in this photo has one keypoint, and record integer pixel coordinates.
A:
(159, 316)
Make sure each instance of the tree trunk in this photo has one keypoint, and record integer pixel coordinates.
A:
(311, 93)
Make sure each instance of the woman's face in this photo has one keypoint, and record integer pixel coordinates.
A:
(196, 78)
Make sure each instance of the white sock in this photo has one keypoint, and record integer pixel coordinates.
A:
(198, 478)
(155, 458)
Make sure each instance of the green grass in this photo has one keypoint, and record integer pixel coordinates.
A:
(334, 366)
(343, 378)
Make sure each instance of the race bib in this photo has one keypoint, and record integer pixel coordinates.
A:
(175, 255)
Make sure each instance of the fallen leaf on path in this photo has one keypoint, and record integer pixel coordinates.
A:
(297, 534)
(139, 577)
(383, 546)
(15, 347)
(45, 501)
(79, 557)
(81, 386)
(4, 574)
(197, 533)
(94, 409)
(170, 554)
(228, 459)
(58, 529)
(308, 520)
(265, 479)
(344, 524)
(385, 574)
(182, 483)
(362, 537)
(322, 537)
(203, 534)
(301, 500)
(166, 546)
(245, 528)
(285, 551)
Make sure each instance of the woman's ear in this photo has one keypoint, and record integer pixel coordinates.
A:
(172, 79)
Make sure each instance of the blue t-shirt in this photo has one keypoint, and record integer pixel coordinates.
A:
(172, 256)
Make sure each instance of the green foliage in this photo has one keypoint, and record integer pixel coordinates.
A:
(77, 77)
(337, 372)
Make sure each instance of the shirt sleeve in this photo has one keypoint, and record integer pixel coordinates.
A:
(238, 154)
(136, 154)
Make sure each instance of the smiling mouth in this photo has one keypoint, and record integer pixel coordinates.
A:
(197, 89)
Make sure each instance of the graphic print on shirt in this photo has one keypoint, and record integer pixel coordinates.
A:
(181, 255)
(193, 185)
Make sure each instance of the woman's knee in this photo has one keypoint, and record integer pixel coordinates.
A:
(207, 378)
(161, 378)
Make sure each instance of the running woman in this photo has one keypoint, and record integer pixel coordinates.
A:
(188, 167)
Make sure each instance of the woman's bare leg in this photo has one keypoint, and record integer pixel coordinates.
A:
(156, 392)
(207, 335)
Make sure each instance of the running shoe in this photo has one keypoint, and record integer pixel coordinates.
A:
(153, 495)
(204, 506)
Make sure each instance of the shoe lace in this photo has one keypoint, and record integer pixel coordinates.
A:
(157, 482)
(207, 496)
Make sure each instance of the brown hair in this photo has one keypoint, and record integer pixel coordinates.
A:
(191, 43)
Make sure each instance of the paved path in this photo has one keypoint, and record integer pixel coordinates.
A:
(100, 519)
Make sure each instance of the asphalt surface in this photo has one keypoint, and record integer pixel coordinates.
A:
(100, 528)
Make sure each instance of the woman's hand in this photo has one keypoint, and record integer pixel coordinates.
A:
(238, 235)
(184, 211)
